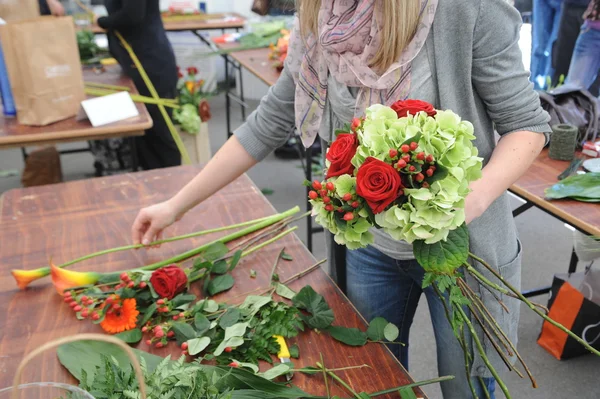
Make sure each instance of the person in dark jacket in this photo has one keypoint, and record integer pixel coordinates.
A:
(140, 23)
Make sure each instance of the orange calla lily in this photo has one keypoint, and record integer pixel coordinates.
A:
(26, 277)
(64, 279)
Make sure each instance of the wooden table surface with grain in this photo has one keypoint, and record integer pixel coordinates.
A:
(256, 61)
(230, 20)
(542, 174)
(14, 135)
(71, 219)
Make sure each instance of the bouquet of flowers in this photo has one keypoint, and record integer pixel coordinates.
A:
(406, 169)
(194, 108)
(279, 52)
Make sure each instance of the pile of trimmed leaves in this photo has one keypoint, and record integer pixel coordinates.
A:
(584, 188)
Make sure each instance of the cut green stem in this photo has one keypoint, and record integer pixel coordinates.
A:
(414, 385)
(339, 380)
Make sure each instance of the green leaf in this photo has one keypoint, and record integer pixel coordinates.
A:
(363, 395)
(229, 318)
(444, 256)
(286, 256)
(215, 251)
(237, 330)
(182, 299)
(428, 279)
(207, 281)
(220, 284)
(235, 259)
(200, 264)
(131, 336)
(197, 345)
(267, 191)
(220, 267)
(183, 331)
(279, 370)
(440, 173)
(201, 323)
(232, 342)
(321, 316)
(284, 291)
(584, 188)
(294, 351)
(376, 327)
(391, 332)
(148, 313)
(348, 336)
(311, 370)
(250, 366)
(407, 393)
(254, 303)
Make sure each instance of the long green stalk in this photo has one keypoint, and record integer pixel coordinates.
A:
(106, 86)
(92, 91)
(532, 306)
(109, 277)
(184, 155)
(414, 385)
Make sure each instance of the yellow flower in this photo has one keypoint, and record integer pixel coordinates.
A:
(25, 277)
(64, 279)
(190, 86)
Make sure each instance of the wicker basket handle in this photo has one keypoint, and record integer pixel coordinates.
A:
(82, 337)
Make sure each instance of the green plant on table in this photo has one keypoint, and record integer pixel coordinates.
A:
(193, 101)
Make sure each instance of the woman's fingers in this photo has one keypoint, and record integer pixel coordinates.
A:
(139, 227)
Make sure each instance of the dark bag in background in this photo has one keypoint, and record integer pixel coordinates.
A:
(573, 107)
(261, 7)
(575, 303)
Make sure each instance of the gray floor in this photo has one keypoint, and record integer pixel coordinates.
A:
(547, 245)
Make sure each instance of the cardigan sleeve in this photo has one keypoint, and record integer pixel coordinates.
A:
(498, 74)
(270, 125)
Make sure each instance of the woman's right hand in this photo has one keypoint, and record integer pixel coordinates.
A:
(151, 221)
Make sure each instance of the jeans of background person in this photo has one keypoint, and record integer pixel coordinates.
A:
(545, 23)
(585, 63)
(382, 286)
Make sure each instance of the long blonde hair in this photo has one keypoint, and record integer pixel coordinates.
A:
(400, 21)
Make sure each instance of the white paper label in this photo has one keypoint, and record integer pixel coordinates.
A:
(108, 109)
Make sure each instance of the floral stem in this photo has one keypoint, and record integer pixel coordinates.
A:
(107, 87)
(311, 371)
(184, 155)
(269, 241)
(323, 369)
(534, 308)
(413, 385)
(485, 359)
(339, 380)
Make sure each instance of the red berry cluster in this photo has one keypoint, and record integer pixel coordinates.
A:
(333, 203)
(126, 281)
(82, 305)
(409, 161)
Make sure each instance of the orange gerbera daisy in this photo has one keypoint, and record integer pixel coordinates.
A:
(121, 316)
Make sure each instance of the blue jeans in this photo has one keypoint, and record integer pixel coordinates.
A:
(545, 24)
(585, 63)
(381, 286)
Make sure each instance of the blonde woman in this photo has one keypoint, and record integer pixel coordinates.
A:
(347, 54)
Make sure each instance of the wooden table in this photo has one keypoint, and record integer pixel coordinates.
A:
(542, 174)
(71, 219)
(13, 134)
(257, 62)
(230, 20)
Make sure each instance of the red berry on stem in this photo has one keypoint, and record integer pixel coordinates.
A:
(175, 317)
(84, 313)
(95, 316)
(130, 284)
(145, 329)
(425, 185)
(329, 186)
(73, 304)
(143, 284)
(393, 153)
(329, 208)
(421, 156)
(77, 308)
(429, 172)
(165, 309)
(406, 158)
(159, 345)
(355, 124)
(355, 204)
(148, 342)
(419, 177)
(323, 193)
(411, 168)
(405, 148)
(181, 315)
(68, 294)
(228, 349)
(401, 164)
(347, 197)
(400, 193)
(348, 216)
(429, 158)
(170, 334)
(326, 200)
(234, 364)
(109, 300)
(84, 298)
(312, 195)
(184, 346)
(317, 185)
(68, 299)
(160, 302)
(116, 306)
(413, 146)
(432, 168)
(124, 276)
(185, 353)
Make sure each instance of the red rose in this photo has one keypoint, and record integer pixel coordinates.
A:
(402, 108)
(340, 154)
(192, 70)
(378, 183)
(168, 281)
(204, 111)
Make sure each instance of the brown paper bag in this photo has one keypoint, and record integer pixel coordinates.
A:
(43, 64)
(42, 166)
(16, 10)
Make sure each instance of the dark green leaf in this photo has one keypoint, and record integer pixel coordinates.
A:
(215, 251)
(584, 187)
(321, 316)
(229, 318)
(200, 264)
(286, 256)
(201, 323)
(183, 331)
(182, 299)
(131, 336)
(220, 267)
(207, 281)
(267, 191)
(428, 279)
(294, 351)
(348, 336)
(407, 393)
(415, 138)
(363, 395)
(148, 313)
(220, 284)
(340, 131)
(235, 259)
(440, 173)
(444, 256)
(126, 293)
(376, 327)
